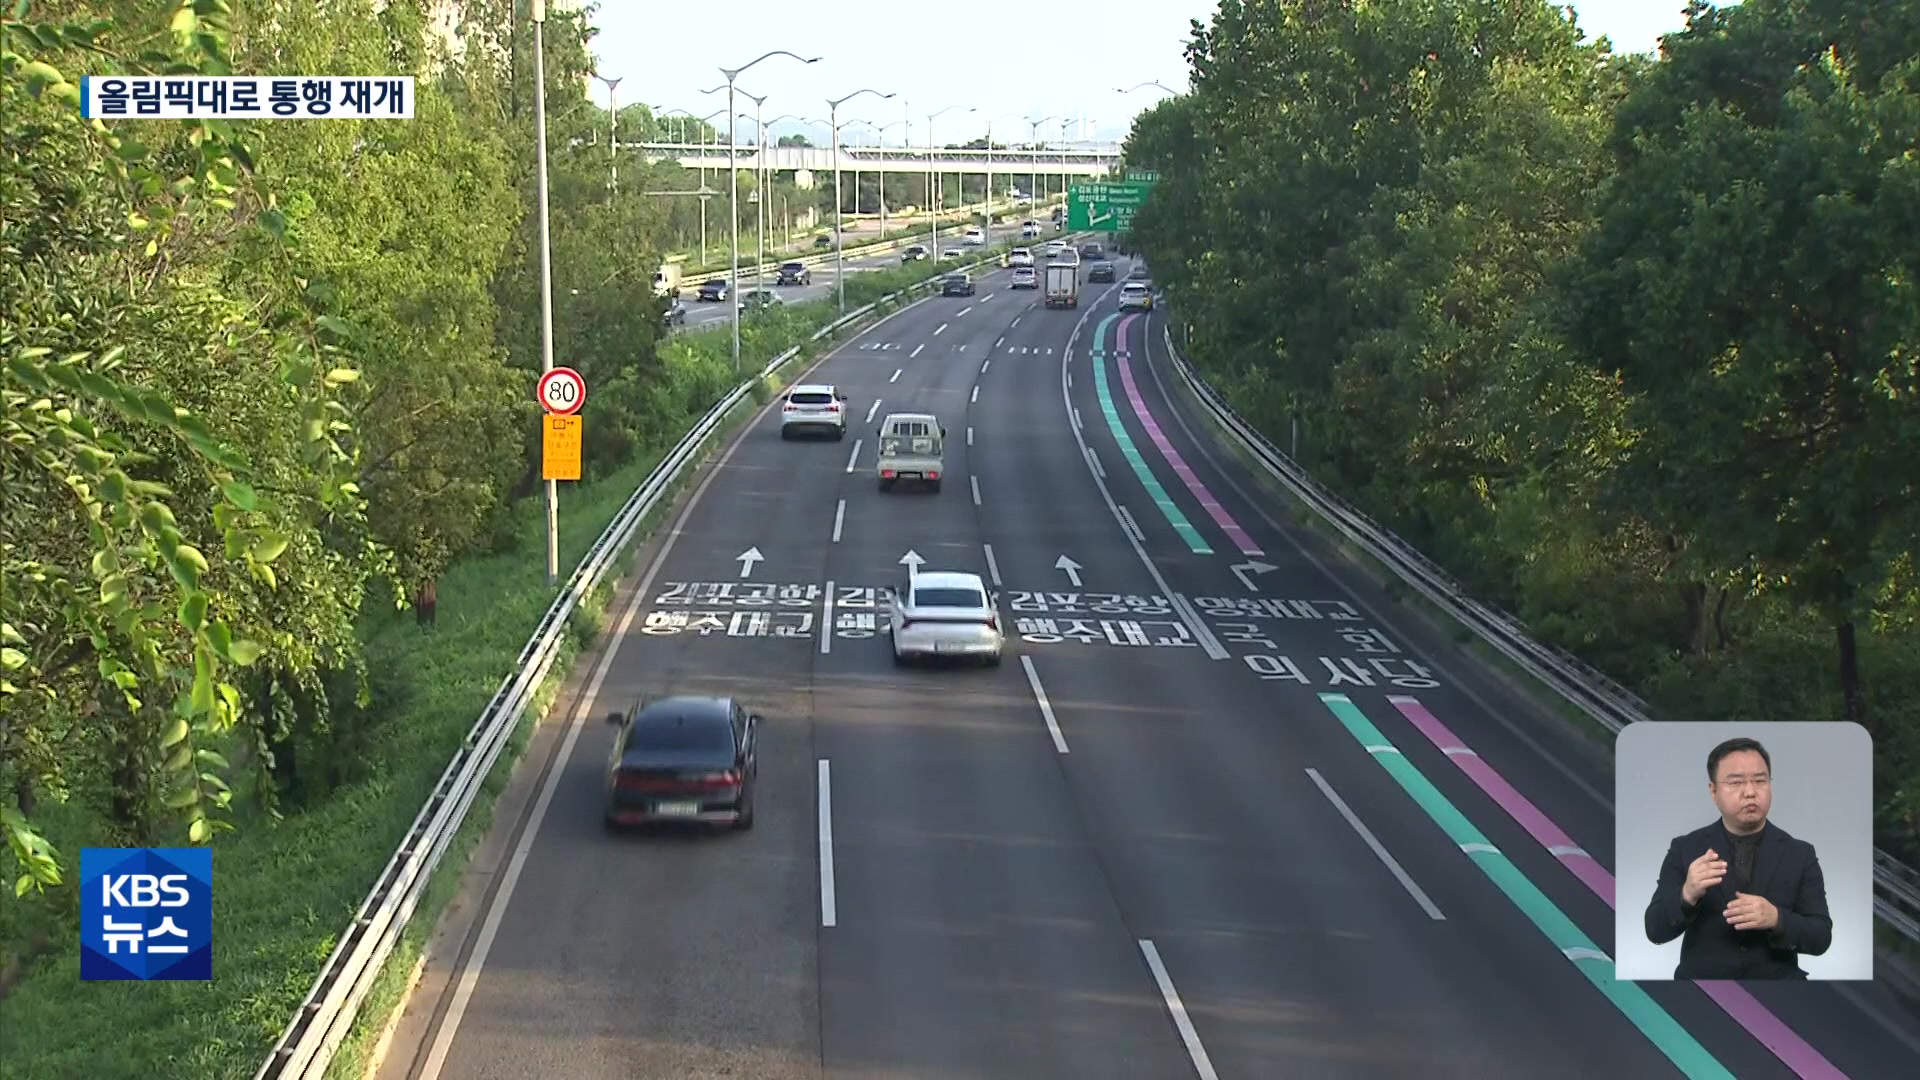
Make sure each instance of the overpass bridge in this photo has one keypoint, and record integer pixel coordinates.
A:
(1073, 161)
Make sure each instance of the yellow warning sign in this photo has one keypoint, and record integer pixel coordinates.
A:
(560, 447)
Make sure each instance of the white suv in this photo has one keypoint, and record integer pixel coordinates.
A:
(814, 408)
(946, 614)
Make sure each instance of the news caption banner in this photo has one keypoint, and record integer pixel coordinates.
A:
(146, 914)
(1355, 656)
(244, 97)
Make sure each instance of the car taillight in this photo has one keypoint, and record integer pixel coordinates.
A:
(993, 623)
(835, 407)
(933, 474)
(723, 779)
(886, 474)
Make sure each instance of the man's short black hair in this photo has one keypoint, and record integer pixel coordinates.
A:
(1734, 746)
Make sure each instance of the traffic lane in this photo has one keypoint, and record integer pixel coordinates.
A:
(975, 935)
(1860, 1028)
(1314, 641)
(1287, 937)
(698, 628)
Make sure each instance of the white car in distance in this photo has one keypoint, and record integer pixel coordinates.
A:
(974, 236)
(819, 408)
(1020, 257)
(942, 613)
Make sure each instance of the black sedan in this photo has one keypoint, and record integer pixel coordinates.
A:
(956, 285)
(793, 273)
(713, 292)
(1100, 271)
(690, 759)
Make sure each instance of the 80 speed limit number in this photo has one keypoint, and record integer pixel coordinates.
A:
(562, 391)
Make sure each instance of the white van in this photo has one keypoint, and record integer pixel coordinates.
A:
(974, 236)
(911, 449)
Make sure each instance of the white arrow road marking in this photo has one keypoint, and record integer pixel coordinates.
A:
(1245, 570)
(912, 561)
(749, 557)
(1072, 568)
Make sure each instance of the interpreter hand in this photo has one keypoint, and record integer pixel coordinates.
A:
(1704, 873)
(1752, 913)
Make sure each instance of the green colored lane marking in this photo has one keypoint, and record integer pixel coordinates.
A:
(1132, 453)
(1646, 1014)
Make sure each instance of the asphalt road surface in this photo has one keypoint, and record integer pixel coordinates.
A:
(708, 314)
(1193, 826)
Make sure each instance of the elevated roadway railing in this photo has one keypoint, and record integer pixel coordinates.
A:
(1013, 161)
(1896, 886)
(307, 1047)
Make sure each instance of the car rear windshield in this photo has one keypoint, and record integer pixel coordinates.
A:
(955, 598)
(810, 397)
(705, 735)
(792, 266)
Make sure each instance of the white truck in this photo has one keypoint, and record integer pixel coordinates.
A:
(666, 280)
(1063, 285)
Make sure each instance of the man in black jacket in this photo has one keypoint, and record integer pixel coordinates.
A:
(1748, 898)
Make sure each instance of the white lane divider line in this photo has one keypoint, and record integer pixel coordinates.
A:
(1094, 460)
(974, 483)
(1201, 1063)
(1076, 418)
(993, 567)
(975, 399)
(1014, 323)
(855, 456)
(969, 435)
(966, 309)
(985, 364)
(938, 330)
(1379, 849)
(871, 409)
(896, 375)
(1046, 707)
(916, 350)
(826, 621)
(828, 915)
(839, 518)
(1002, 341)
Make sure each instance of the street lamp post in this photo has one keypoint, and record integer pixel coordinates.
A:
(546, 264)
(833, 123)
(759, 182)
(733, 190)
(613, 132)
(882, 130)
(1033, 144)
(941, 202)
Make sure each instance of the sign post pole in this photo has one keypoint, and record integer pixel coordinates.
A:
(561, 392)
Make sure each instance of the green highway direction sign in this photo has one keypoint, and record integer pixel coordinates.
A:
(1104, 207)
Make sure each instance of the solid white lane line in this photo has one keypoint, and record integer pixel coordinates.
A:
(969, 436)
(976, 394)
(826, 621)
(974, 483)
(871, 409)
(1201, 1063)
(939, 329)
(985, 364)
(1366, 834)
(828, 915)
(896, 375)
(839, 518)
(1046, 707)
(916, 350)
(993, 567)
(855, 456)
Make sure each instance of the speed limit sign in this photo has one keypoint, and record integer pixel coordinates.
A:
(562, 391)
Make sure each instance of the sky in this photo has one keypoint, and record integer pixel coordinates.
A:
(1063, 66)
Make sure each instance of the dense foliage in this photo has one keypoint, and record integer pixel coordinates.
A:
(263, 383)
(1627, 344)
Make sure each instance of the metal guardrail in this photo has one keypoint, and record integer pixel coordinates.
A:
(1896, 900)
(307, 1047)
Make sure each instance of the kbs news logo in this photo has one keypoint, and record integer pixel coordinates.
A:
(146, 913)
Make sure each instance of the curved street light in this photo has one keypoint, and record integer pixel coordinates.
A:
(833, 122)
(934, 177)
(733, 188)
(1033, 144)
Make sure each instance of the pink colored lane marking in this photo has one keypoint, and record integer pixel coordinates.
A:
(1733, 999)
(1219, 513)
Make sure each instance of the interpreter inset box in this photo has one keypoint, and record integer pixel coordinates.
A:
(1744, 851)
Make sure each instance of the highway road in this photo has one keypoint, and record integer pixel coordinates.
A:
(1204, 821)
(706, 315)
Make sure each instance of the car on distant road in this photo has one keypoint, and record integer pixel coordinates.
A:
(1091, 252)
(951, 255)
(1025, 277)
(760, 300)
(959, 283)
(914, 253)
(1020, 257)
(1099, 271)
(814, 407)
(677, 313)
(911, 448)
(1139, 272)
(942, 613)
(1136, 296)
(683, 758)
(823, 241)
(793, 273)
(974, 236)
(1029, 230)
(1055, 247)
(713, 292)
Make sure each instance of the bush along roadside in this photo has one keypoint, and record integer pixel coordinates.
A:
(286, 889)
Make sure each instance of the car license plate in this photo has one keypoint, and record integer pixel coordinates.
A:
(677, 809)
(909, 476)
(949, 647)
